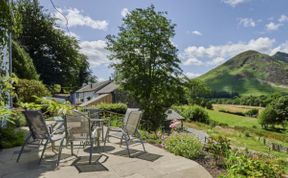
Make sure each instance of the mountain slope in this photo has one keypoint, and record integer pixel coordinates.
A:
(250, 73)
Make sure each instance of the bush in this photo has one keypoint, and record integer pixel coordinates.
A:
(241, 165)
(267, 117)
(117, 108)
(193, 113)
(18, 119)
(10, 138)
(219, 147)
(252, 113)
(26, 89)
(184, 145)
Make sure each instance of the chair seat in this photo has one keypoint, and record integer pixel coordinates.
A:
(57, 137)
(116, 134)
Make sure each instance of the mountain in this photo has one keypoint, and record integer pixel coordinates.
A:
(250, 73)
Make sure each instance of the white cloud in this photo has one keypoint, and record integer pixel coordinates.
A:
(76, 18)
(195, 32)
(215, 55)
(216, 61)
(283, 18)
(247, 22)
(282, 47)
(73, 35)
(124, 12)
(234, 3)
(192, 61)
(95, 51)
(273, 26)
(192, 75)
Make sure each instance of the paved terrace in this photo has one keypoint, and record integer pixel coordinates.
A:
(112, 163)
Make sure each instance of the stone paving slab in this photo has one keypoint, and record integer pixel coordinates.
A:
(166, 165)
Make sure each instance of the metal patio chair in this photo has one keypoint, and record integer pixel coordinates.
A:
(40, 133)
(129, 132)
(78, 128)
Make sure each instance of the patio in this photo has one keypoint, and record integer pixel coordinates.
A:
(113, 163)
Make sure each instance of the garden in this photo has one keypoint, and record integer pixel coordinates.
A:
(242, 141)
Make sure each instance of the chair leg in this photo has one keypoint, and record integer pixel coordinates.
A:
(106, 136)
(60, 151)
(22, 148)
(91, 150)
(127, 145)
(140, 138)
(42, 154)
(71, 144)
(121, 140)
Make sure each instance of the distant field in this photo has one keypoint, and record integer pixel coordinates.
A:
(235, 108)
(232, 120)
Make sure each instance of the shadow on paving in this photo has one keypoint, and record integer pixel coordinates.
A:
(138, 154)
(82, 163)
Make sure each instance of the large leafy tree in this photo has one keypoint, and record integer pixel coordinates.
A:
(55, 55)
(146, 62)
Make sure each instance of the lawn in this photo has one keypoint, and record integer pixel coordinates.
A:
(235, 108)
(232, 120)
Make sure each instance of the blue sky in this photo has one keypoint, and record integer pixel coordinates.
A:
(208, 32)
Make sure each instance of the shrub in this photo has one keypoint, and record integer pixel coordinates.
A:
(184, 145)
(26, 89)
(241, 165)
(117, 108)
(9, 137)
(56, 88)
(18, 119)
(193, 113)
(219, 147)
(252, 112)
(267, 117)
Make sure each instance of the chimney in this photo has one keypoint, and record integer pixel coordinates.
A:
(91, 85)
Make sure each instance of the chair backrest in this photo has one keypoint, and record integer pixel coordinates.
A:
(37, 124)
(128, 111)
(77, 125)
(132, 122)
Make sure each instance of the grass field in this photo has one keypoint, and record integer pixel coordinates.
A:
(243, 132)
(235, 108)
(232, 120)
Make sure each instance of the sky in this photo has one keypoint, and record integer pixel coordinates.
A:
(208, 32)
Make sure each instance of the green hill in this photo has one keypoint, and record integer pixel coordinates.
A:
(250, 73)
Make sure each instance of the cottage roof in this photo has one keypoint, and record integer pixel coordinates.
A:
(93, 86)
(108, 88)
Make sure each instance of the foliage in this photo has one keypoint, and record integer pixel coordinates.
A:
(275, 113)
(196, 92)
(146, 62)
(119, 108)
(27, 89)
(56, 88)
(231, 112)
(219, 147)
(9, 137)
(193, 113)
(55, 54)
(48, 106)
(252, 113)
(150, 137)
(281, 108)
(9, 23)
(7, 88)
(242, 165)
(184, 145)
(262, 100)
(23, 65)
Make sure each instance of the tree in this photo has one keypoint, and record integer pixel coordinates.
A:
(197, 92)
(146, 62)
(22, 63)
(267, 117)
(55, 55)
